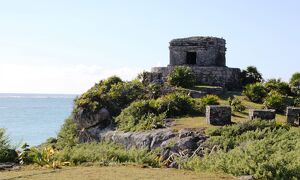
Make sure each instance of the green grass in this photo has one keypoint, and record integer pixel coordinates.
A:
(237, 117)
(110, 172)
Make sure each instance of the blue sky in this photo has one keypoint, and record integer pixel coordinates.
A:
(65, 46)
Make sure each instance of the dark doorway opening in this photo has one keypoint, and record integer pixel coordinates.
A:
(191, 57)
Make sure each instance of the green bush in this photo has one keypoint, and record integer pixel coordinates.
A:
(255, 92)
(182, 76)
(250, 75)
(210, 100)
(236, 104)
(149, 114)
(296, 102)
(140, 115)
(112, 94)
(259, 148)
(7, 153)
(176, 104)
(275, 100)
(295, 83)
(67, 136)
(279, 86)
(105, 153)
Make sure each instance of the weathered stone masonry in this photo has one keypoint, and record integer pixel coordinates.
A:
(206, 57)
(218, 115)
(266, 114)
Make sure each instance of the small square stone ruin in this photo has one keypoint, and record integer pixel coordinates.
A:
(293, 115)
(218, 115)
(265, 114)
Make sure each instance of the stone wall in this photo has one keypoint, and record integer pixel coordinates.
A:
(218, 115)
(267, 114)
(210, 51)
(213, 76)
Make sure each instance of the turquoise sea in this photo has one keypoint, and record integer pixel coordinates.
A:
(32, 118)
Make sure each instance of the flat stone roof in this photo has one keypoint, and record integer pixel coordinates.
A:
(197, 41)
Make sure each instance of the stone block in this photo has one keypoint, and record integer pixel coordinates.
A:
(293, 114)
(218, 115)
(266, 114)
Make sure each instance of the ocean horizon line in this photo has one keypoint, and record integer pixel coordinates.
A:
(37, 95)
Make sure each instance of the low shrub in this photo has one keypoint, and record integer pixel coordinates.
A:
(40, 156)
(297, 102)
(105, 153)
(259, 148)
(68, 135)
(210, 100)
(255, 92)
(236, 104)
(295, 83)
(149, 114)
(112, 93)
(7, 153)
(279, 86)
(139, 115)
(275, 100)
(182, 76)
(175, 105)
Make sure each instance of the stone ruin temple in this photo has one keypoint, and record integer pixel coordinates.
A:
(206, 57)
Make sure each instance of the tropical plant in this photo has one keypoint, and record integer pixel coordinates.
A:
(278, 85)
(255, 92)
(295, 83)
(182, 76)
(275, 100)
(210, 100)
(236, 104)
(250, 75)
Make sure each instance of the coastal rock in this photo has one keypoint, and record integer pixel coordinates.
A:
(99, 119)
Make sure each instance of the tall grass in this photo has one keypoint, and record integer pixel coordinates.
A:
(105, 153)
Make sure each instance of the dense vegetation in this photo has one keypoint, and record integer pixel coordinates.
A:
(149, 114)
(263, 149)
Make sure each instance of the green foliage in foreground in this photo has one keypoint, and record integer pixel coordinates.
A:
(182, 76)
(106, 153)
(7, 153)
(149, 114)
(259, 148)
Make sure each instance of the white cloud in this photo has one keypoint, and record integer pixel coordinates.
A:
(17, 78)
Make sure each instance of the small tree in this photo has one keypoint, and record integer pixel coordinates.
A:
(275, 100)
(255, 92)
(251, 75)
(182, 77)
(279, 86)
(295, 83)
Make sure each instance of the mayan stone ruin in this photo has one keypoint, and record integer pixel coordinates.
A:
(266, 114)
(206, 57)
(293, 115)
(218, 115)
